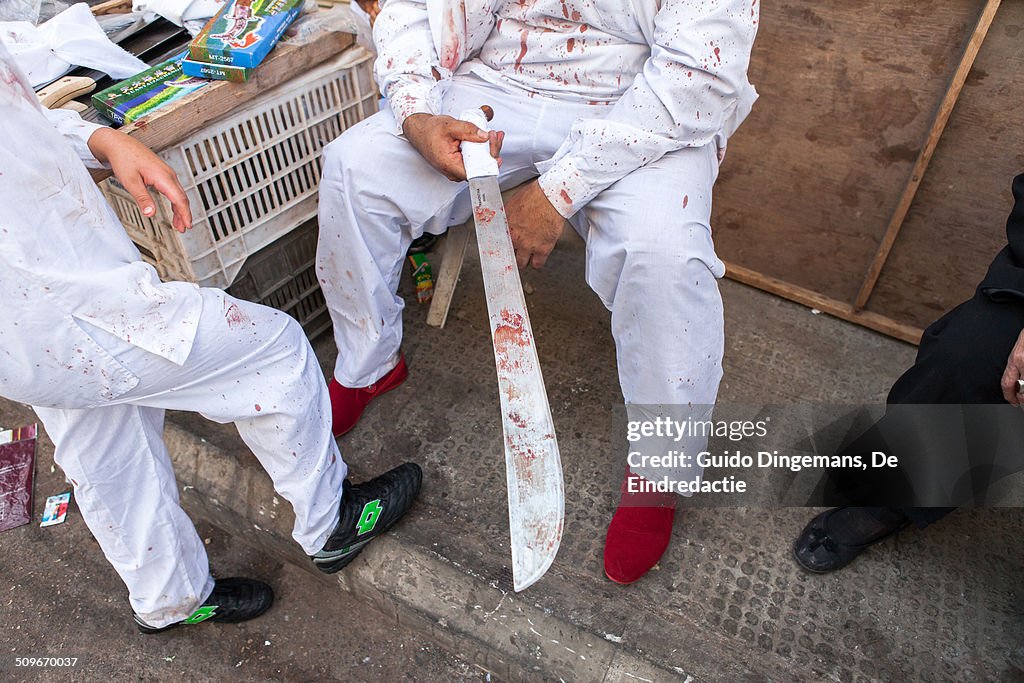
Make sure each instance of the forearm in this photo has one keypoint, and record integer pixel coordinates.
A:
(137, 169)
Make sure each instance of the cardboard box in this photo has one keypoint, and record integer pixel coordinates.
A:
(243, 32)
(217, 72)
(134, 97)
(17, 468)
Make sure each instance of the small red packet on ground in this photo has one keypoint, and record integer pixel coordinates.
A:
(56, 509)
(17, 467)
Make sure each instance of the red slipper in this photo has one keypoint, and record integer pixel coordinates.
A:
(347, 405)
(639, 532)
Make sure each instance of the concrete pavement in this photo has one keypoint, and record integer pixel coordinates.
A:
(60, 598)
(725, 604)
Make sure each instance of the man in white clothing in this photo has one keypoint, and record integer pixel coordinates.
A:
(619, 110)
(100, 348)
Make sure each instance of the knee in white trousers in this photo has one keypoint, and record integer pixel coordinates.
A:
(650, 256)
(250, 365)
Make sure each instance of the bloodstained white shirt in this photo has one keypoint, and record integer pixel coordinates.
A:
(66, 264)
(562, 49)
(671, 74)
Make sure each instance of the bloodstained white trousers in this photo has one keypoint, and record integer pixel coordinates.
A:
(250, 365)
(649, 255)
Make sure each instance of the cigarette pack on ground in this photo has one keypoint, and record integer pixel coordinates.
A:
(243, 32)
(423, 277)
(217, 72)
(56, 509)
(143, 93)
(17, 466)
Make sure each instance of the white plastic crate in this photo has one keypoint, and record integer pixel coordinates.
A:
(252, 176)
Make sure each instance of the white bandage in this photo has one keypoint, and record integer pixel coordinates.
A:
(477, 155)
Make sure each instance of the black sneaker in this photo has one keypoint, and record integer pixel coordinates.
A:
(422, 244)
(232, 600)
(368, 510)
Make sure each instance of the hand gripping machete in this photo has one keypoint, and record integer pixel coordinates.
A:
(533, 469)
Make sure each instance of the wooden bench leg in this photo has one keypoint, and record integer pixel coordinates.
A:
(453, 253)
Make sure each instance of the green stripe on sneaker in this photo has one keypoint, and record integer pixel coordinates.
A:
(369, 517)
(201, 614)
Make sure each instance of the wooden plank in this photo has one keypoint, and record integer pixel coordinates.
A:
(825, 304)
(957, 223)
(848, 92)
(943, 113)
(112, 7)
(453, 254)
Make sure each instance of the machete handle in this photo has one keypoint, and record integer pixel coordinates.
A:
(72, 105)
(64, 89)
(477, 155)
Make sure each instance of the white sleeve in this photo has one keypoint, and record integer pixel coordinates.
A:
(77, 132)
(68, 123)
(407, 59)
(688, 89)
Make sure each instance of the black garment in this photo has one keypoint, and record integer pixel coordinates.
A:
(922, 517)
(963, 354)
(1005, 278)
(960, 361)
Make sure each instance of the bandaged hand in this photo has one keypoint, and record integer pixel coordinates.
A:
(437, 139)
(138, 168)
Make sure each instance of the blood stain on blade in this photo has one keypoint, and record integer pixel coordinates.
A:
(510, 332)
(511, 393)
(507, 365)
(511, 318)
(523, 456)
(517, 419)
(483, 214)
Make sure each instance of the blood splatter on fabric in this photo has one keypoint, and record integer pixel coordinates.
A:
(664, 77)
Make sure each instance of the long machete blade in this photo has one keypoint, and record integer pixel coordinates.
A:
(533, 468)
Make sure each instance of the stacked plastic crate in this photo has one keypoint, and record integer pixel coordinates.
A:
(252, 178)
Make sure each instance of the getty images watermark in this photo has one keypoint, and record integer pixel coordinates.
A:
(823, 455)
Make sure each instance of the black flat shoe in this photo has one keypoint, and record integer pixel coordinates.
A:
(828, 543)
(232, 600)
